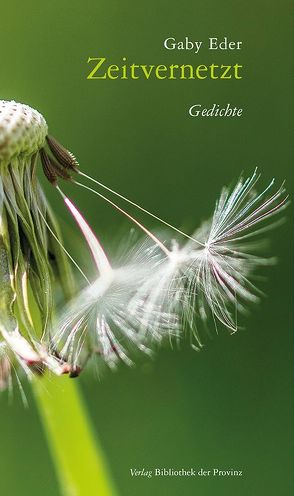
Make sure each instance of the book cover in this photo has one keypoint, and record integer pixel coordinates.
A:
(146, 277)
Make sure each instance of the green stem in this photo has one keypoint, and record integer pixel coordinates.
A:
(78, 459)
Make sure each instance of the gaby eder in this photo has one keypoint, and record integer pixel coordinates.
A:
(213, 44)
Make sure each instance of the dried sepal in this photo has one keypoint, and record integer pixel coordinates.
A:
(59, 170)
(47, 168)
(52, 169)
(62, 155)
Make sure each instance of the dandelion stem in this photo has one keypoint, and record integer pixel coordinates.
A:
(78, 459)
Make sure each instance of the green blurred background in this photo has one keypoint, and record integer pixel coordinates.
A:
(230, 406)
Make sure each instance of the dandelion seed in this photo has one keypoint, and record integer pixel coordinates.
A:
(103, 318)
(220, 272)
(212, 270)
(97, 322)
(160, 285)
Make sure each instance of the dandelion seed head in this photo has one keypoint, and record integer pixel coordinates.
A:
(32, 262)
(22, 130)
(151, 291)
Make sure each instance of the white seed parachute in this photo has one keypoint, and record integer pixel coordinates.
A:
(162, 285)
